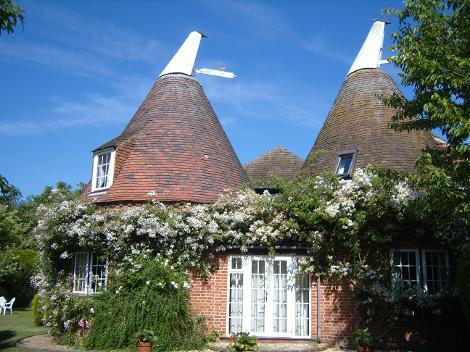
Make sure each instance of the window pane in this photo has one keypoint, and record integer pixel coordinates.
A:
(302, 305)
(280, 296)
(236, 303)
(80, 273)
(236, 263)
(98, 269)
(405, 268)
(258, 295)
(404, 258)
(344, 164)
(436, 271)
(102, 170)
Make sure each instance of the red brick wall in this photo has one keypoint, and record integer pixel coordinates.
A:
(209, 298)
(337, 314)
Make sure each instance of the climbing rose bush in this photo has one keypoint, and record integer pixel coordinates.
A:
(347, 228)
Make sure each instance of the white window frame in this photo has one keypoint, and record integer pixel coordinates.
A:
(425, 272)
(417, 265)
(291, 304)
(88, 289)
(110, 176)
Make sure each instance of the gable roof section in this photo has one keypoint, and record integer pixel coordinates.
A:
(174, 149)
(359, 121)
(278, 161)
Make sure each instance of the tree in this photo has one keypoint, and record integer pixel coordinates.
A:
(10, 13)
(9, 194)
(433, 53)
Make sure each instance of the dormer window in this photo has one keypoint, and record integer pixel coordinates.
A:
(103, 170)
(345, 166)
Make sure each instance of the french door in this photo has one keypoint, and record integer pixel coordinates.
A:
(268, 296)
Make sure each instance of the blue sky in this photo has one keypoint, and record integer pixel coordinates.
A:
(75, 75)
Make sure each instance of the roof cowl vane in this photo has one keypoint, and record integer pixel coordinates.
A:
(183, 60)
(370, 55)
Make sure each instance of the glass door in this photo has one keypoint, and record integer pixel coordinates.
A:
(278, 297)
(258, 296)
(268, 297)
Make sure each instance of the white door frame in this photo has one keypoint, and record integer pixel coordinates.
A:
(246, 269)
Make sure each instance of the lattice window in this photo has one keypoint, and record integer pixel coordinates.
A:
(103, 170)
(436, 270)
(406, 266)
(235, 304)
(89, 273)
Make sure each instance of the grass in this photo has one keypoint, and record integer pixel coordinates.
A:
(20, 325)
(16, 327)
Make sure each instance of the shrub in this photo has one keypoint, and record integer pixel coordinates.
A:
(242, 341)
(36, 308)
(149, 295)
(363, 337)
(21, 265)
(463, 286)
(145, 336)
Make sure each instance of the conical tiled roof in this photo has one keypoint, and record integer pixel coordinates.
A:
(278, 162)
(174, 149)
(359, 121)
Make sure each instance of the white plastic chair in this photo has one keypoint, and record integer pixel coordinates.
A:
(2, 304)
(8, 305)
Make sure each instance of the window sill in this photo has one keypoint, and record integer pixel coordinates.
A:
(98, 192)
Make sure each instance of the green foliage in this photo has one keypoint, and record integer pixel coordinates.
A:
(445, 205)
(36, 310)
(67, 315)
(146, 336)
(213, 336)
(242, 341)
(17, 266)
(348, 228)
(363, 337)
(9, 194)
(433, 52)
(12, 229)
(462, 284)
(10, 13)
(151, 295)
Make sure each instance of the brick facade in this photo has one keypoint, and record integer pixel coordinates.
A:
(209, 298)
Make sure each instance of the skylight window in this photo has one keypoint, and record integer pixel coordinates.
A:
(345, 165)
(103, 170)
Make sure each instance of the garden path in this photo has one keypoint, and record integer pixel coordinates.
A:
(45, 343)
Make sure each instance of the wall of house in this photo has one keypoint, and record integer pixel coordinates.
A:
(336, 314)
(209, 298)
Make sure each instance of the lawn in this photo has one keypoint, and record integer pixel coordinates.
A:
(20, 325)
(16, 327)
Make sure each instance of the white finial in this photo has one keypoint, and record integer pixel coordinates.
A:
(370, 55)
(183, 61)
